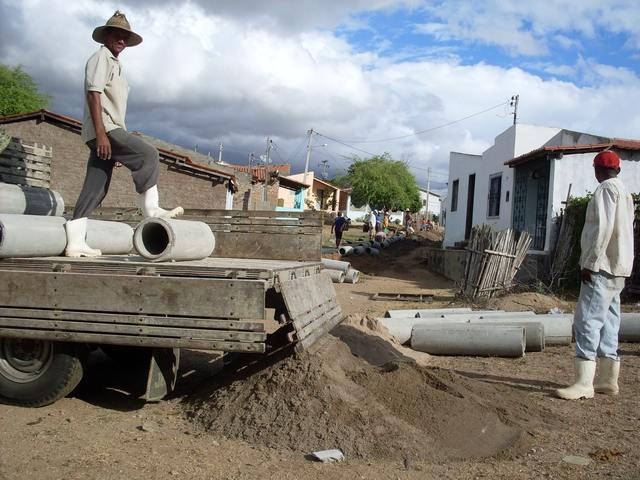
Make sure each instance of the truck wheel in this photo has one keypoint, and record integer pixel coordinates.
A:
(35, 373)
(128, 356)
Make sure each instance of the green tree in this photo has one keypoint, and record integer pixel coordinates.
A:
(19, 92)
(381, 182)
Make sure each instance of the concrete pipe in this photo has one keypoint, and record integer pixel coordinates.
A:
(414, 313)
(473, 339)
(372, 251)
(163, 239)
(376, 245)
(111, 238)
(359, 250)
(558, 329)
(337, 276)
(401, 236)
(533, 332)
(352, 276)
(22, 200)
(415, 240)
(385, 244)
(346, 251)
(31, 236)
(336, 265)
(629, 327)
(443, 312)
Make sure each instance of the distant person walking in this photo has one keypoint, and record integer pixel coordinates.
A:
(103, 130)
(338, 227)
(372, 224)
(606, 259)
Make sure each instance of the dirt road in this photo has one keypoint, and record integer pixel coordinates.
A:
(449, 417)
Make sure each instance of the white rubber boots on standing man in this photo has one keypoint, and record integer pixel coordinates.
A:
(585, 371)
(77, 229)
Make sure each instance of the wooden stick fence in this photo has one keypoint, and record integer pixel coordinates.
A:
(493, 260)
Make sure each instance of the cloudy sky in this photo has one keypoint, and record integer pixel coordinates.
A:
(415, 78)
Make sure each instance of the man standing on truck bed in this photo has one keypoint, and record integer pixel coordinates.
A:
(104, 132)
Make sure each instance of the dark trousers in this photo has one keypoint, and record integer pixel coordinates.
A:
(132, 152)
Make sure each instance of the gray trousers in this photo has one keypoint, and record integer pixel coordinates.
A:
(132, 152)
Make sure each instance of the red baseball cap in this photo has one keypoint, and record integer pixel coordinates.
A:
(607, 159)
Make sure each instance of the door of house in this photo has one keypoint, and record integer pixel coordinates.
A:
(470, 197)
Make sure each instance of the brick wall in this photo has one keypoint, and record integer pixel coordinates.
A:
(177, 186)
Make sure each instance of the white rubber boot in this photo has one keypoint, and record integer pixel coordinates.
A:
(76, 239)
(607, 381)
(585, 370)
(148, 203)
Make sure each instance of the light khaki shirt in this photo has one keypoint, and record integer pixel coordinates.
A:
(104, 74)
(607, 236)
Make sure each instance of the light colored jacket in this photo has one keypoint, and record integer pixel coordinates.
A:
(607, 236)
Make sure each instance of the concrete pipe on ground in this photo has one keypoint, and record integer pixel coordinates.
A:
(22, 200)
(111, 238)
(443, 312)
(558, 329)
(629, 327)
(377, 245)
(163, 239)
(385, 244)
(346, 251)
(337, 276)
(469, 339)
(372, 251)
(359, 250)
(415, 240)
(336, 265)
(32, 236)
(352, 276)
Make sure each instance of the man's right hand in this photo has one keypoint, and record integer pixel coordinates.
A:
(103, 147)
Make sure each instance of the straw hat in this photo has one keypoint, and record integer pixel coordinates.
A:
(117, 21)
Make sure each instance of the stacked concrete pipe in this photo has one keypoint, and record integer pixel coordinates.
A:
(340, 271)
(23, 200)
(337, 276)
(111, 238)
(166, 239)
(346, 251)
(469, 339)
(31, 236)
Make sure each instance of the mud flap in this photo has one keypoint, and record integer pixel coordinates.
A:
(163, 373)
(312, 306)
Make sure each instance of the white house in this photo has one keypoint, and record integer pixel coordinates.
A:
(430, 205)
(522, 180)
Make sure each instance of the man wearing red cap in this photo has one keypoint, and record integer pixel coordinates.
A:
(103, 130)
(606, 259)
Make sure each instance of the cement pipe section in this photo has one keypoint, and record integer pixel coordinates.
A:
(165, 239)
(336, 265)
(372, 251)
(629, 327)
(22, 200)
(346, 251)
(337, 276)
(111, 238)
(414, 313)
(359, 250)
(558, 328)
(32, 236)
(352, 276)
(469, 339)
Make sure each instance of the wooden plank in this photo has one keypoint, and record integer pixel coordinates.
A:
(124, 319)
(198, 297)
(19, 145)
(302, 321)
(306, 294)
(28, 182)
(116, 329)
(93, 338)
(257, 245)
(309, 340)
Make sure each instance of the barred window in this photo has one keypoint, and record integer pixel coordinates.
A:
(454, 195)
(495, 187)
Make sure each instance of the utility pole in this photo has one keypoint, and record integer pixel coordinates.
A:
(220, 154)
(250, 160)
(324, 164)
(428, 187)
(514, 104)
(306, 165)
(266, 169)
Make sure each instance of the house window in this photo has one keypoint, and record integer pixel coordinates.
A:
(454, 195)
(495, 187)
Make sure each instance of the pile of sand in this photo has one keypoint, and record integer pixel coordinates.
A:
(359, 391)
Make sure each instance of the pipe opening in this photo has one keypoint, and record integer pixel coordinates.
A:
(155, 238)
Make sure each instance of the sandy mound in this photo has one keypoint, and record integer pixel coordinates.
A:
(520, 302)
(379, 404)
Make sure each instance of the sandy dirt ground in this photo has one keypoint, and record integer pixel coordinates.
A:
(393, 412)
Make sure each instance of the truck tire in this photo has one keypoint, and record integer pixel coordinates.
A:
(128, 356)
(35, 373)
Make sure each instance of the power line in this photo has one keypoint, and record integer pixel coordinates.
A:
(345, 142)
